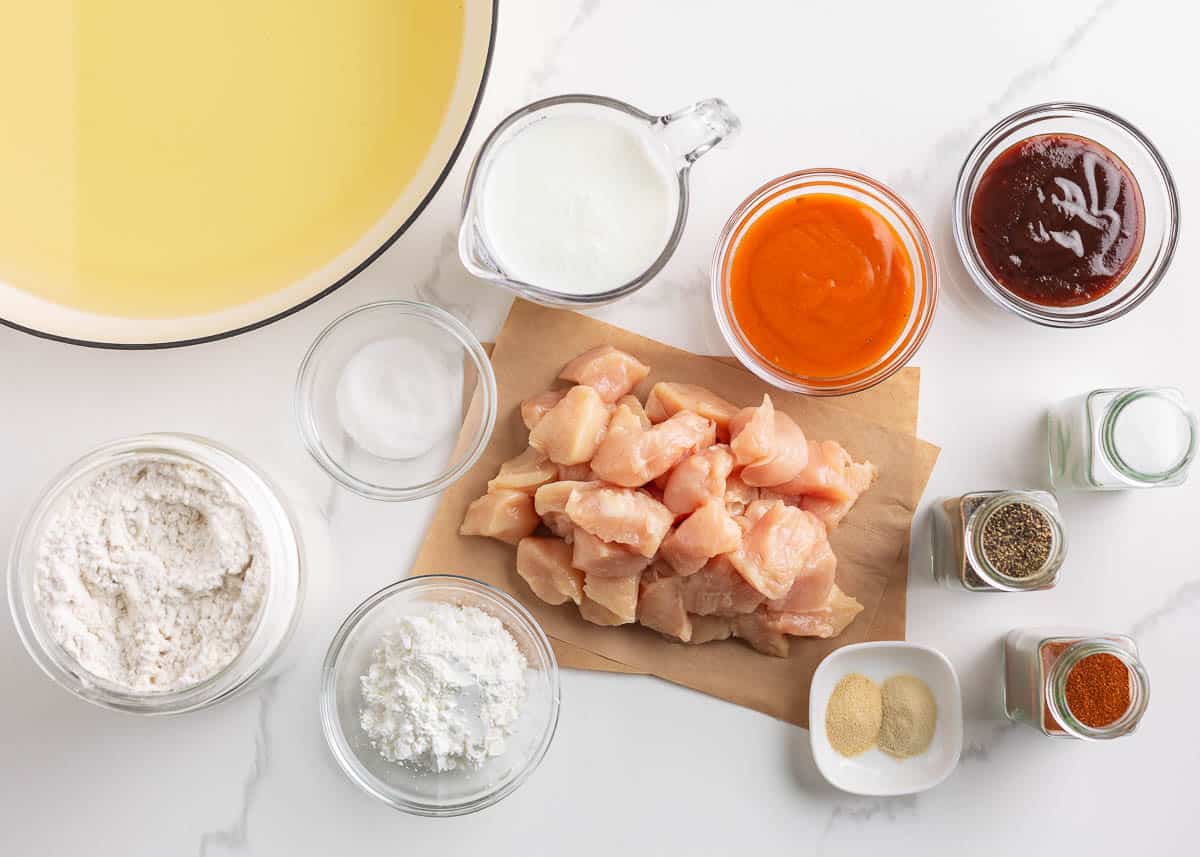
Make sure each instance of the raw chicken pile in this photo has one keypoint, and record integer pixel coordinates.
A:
(690, 515)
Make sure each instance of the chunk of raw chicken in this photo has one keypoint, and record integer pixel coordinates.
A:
(660, 606)
(756, 630)
(635, 404)
(775, 547)
(810, 590)
(553, 496)
(752, 432)
(536, 407)
(859, 477)
(575, 472)
(605, 559)
(550, 502)
(545, 564)
(623, 515)
(527, 472)
(571, 431)
(700, 477)
(708, 629)
(739, 495)
(631, 455)
(598, 614)
(825, 474)
(505, 515)
(788, 457)
(609, 371)
(826, 621)
(718, 590)
(707, 532)
(668, 398)
(619, 595)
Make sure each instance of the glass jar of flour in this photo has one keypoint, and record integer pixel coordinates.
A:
(1111, 439)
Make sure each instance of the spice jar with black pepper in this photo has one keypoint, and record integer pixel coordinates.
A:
(1074, 684)
(1114, 439)
(998, 541)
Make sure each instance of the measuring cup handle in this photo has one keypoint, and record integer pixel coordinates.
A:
(692, 131)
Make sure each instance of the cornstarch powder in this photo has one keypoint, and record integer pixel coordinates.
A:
(444, 690)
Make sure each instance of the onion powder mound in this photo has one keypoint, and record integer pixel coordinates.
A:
(909, 717)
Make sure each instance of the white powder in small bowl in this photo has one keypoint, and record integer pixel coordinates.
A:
(444, 690)
(151, 575)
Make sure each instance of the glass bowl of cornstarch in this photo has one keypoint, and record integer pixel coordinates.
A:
(439, 695)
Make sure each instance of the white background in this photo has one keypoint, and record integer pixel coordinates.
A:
(898, 90)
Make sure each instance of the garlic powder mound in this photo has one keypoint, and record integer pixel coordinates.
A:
(853, 715)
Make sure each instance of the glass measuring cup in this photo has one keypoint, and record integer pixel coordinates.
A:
(677, 140)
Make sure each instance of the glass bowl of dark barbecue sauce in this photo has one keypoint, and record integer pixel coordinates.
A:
(1066, 215)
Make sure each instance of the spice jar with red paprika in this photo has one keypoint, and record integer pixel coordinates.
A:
(1072, 684)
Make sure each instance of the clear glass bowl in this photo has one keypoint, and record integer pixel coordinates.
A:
(889, 206)
(456, 792)
(1149, 169)
(277, 617)
(464, 369)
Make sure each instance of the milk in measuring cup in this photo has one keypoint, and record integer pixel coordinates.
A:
(578, 204)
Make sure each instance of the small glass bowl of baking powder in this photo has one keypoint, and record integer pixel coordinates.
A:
(276, 617)
(414, 789)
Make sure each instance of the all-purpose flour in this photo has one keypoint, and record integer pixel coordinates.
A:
(152, 574)
(444, 690)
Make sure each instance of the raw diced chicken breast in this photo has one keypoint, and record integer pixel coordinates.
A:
(571, 431)
(660, 606)
(624, 515)
(788, 458)
(756, 630)
(700, 477)
(705, 533)
(609, 371)
(545, 564)
(753, 433)
(738, 495)
(632, 456)
(668, 398)
(605, 559)
(616, 594)
(708, 629)
(598, 614)
(635, 404)
(553, 496)
(536, 407)
(810, 590)
(550, 502)
(859, 477)
(775, 548)
(527, 472)
(505, 515)
(575, 472)
(825, 475)
(718, 590)
(826, 621)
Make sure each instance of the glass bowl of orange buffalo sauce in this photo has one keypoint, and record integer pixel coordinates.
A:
(824, 282)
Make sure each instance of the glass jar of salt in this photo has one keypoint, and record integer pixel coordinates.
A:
(1135, 437)
(1069, 683)
(998, 541)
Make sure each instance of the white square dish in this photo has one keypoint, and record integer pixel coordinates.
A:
(875, 772)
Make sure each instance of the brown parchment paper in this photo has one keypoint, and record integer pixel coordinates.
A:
(871, 544)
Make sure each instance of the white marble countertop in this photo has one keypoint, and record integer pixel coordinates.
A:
(900, 91)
